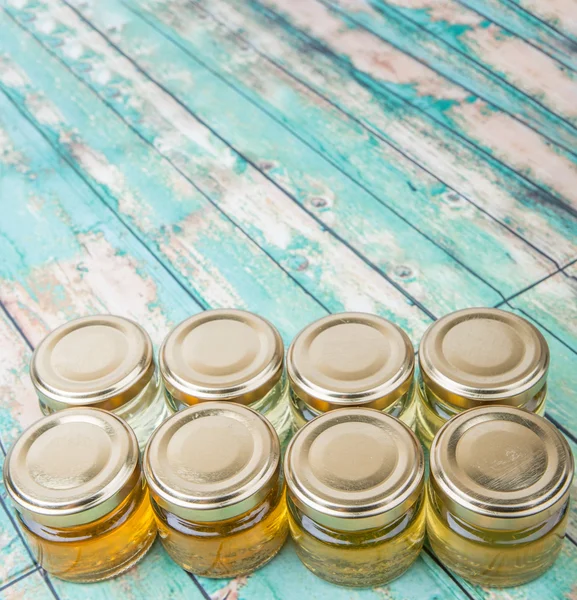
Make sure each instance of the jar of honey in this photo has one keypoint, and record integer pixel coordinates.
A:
(227, 355)
(214, 474)
(355, 496)
(498, 494)
(479, 357)
(102, 361)
(75, 480)
(351, 360)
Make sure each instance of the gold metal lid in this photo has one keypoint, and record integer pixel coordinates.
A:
(479, 355)
(354, 469)
(72, 467)
(102, 361)
(222, 355)
(501, 467)
(350, 359)
(212, 461)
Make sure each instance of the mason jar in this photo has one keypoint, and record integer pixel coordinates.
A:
(227, 355)
(75, 480)
(479, 357)
(355, 496)
(101, 361)
(351, 360)
(498, 495)
(218, 498)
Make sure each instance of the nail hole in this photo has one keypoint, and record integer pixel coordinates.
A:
(403, 272)
(319, 201)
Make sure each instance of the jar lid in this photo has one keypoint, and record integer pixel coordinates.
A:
(479, 355)
(501, 467)
(350, 359)
(222, 355)
(212, 461)
(354, 469)
(102, 361)
(72, 467)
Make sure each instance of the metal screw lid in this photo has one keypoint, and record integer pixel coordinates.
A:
(501, 467)
(350, 359)
(72, 467)
(102, 361)
(354, 469)
(212, 461)
(479, 355)
(222, 355)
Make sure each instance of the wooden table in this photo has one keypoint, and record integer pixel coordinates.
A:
(291, 157)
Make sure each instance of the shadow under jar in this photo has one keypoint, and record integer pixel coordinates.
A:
(227, 355)
(75, 480)
(351, 360)
(355, 496)
(102, 361)
(214, 476)
(498, 495)
(479, 357)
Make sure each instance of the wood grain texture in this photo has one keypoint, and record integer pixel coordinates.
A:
(405, 157)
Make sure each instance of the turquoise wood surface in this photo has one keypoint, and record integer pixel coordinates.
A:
(291, 157)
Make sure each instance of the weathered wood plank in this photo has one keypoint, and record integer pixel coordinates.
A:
(432, 101)
(32, 586)
(560, 15)
(479, 55)
(528, 27)
(269, 86)
(293, 165)
(252, 200)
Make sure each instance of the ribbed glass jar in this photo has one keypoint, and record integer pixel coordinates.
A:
(218, 498)
(102, 361)
(498, 495)
(351, 360)
(355, 496)
(75, 480)
(479, 357)
(227, 355)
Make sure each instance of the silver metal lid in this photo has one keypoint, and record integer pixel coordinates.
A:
(350, 359)
(229, 355)
(501, 467)
(102, 361)
(354, 469)
(479, 355)
(212, 461)
(72, 467)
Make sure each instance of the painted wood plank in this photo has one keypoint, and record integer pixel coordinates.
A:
(32, 586)
(293, 166)
(479, 55)
(560, 15)
(198, 244)
(367, 225)
(270, 87)
(460, 118)
(528, 27)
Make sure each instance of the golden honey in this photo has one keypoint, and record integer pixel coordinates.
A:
(227, 355)
(479, 357)
(102, 361)
(498, 495)
(355, 496)
(214, 475)
(351, 360)
(76, 483)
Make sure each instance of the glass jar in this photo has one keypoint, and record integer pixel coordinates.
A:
(227, 355)
(351, 359)
(102, 361)
(479, 357)
(214, 476)
(498, 495)
(355, 496)
(75, 480)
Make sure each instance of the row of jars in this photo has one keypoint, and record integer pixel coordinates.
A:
(355, 476)
(356, 502)
(468, 358)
